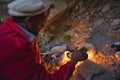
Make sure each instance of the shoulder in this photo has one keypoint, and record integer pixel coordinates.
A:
(13, 43)
(11, 35)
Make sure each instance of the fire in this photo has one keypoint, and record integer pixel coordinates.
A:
(64, 58)
(91, 53)
(90, 50)
(79, 63)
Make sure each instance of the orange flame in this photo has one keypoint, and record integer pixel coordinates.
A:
(64, 58)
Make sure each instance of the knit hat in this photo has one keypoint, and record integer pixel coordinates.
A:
(26, 7)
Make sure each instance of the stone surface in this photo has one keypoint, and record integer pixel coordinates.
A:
(106, 8)
(117, 54)
(98, 22)
(58, 10)
(115, 22)
(106, 76)
(88, 69)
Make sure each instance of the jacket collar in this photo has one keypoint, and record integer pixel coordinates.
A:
(29, 35)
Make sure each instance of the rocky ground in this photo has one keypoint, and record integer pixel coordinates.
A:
(76, 22)
(95, 22)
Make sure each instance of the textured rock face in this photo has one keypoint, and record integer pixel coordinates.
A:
(95, 22)
(58, 10)
(88, 69)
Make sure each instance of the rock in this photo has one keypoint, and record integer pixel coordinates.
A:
(106, 8)
(107, 75)
(92, 11)
(58, 10)
(59, 49)
(76, 77)
(77, 8)
(82, 11)
(99, 8)
(115, 22)
(117, 43)
(98, 22)
(114, 34)
(87, 18)
(86, 14)
(81, 3)
(116, 27)
(71, 4)
(111, 15)
(116, 46)
(117, 54)
(89, 69)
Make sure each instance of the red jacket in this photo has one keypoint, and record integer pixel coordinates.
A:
(17, 57)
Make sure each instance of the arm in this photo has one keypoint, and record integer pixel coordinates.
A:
(20, 65)
(17, 60)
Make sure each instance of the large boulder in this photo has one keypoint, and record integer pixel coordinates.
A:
(87, 70)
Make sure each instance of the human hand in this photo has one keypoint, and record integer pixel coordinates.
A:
(79, 55)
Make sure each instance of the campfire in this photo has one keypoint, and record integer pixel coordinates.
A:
(94, 64)
(57, 58)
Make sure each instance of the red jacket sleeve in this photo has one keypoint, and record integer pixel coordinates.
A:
(21, 65)
(18, 63)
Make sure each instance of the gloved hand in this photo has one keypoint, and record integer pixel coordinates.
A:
(79, 55)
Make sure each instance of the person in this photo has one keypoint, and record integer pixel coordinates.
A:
(19, 59)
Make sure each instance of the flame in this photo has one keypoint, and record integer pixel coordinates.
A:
(91, 52)
(64, 58)
(79, 63)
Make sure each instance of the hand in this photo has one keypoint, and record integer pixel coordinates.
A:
(79, 55)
